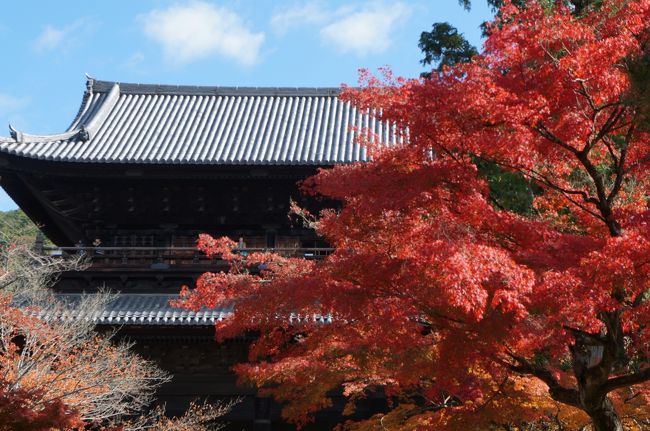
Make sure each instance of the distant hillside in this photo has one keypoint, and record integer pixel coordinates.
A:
(15, 224)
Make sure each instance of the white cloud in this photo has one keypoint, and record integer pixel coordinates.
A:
(10, 104)
(12, 109)
(134, 60)
(366, 31)
(198, 30)
(295, 16)
(64, 37)
(50, 38)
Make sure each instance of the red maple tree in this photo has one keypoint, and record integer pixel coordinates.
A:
(461, 311)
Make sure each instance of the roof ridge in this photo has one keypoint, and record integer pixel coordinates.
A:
(198, 90)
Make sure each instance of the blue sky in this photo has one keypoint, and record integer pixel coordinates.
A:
(48, 46)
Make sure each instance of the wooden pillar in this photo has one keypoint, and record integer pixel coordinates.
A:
(262, 419)
(271, 238)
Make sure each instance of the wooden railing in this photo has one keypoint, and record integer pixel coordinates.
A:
(167, 257)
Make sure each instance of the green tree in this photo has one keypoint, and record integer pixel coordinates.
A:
(15, 224)
(444, 46)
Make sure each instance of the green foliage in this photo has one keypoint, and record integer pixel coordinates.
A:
(509, 190)
(496, 4)
(444, 45)
(467, 4)
(639, 95)
(15, 224)
(578, 5)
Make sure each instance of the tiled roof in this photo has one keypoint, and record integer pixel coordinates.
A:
(134, 309)
(156, 124)
(142, 309)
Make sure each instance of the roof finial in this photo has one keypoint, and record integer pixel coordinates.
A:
(90, 81)
(17, 135)
(83, 133)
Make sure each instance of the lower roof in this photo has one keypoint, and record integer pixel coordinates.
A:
(144, 309)
(133, 309)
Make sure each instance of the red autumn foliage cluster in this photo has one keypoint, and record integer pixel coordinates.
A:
(26, 406)
(60, 374)
(17, 412)
(462, 312)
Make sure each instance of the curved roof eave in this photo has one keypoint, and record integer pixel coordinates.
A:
(78, 131)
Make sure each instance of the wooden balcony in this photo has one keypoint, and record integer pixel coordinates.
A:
(167, 258)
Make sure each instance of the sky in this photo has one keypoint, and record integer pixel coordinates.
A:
(48, 46)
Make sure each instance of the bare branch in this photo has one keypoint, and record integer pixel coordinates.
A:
(64, 360)
(544, 132)
(199, 417)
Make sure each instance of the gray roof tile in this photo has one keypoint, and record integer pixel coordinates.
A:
(134, 309)
(143, 309)
(159, 124)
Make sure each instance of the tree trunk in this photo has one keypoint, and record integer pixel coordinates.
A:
(605, 418)
(595, 357)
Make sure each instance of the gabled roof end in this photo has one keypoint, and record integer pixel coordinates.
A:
(82, 132)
